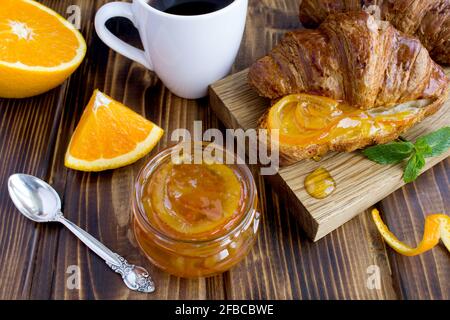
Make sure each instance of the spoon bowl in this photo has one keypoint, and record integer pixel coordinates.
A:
(34, 198)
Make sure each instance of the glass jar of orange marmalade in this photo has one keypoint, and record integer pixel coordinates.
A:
(195, 218)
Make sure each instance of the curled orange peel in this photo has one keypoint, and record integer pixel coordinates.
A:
(437, 227)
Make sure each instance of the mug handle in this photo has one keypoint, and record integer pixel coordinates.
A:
(119, 9)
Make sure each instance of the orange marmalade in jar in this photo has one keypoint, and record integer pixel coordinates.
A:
(195, 218)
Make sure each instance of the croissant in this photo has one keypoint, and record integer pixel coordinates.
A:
(429, 20)
(358, 62)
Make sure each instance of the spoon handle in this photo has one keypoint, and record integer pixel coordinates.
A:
(136, 278)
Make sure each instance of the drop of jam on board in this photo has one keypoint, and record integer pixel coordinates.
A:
(320, 184)
(317, 158)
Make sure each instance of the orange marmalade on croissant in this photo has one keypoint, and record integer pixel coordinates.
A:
(304, 119)
(195, 219)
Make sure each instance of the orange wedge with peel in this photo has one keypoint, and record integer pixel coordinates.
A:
(110, 135)
(437, 227)
(38, 48)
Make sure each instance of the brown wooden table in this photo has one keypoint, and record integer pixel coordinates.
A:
(35, 259)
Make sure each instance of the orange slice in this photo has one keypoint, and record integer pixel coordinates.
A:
(110, 135)
(437, 226)
(38, 48)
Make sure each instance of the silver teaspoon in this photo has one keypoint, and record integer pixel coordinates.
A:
(38, 201)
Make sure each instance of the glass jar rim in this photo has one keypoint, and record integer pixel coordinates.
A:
(154, 162)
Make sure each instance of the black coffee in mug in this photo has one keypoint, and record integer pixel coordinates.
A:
(189, 7)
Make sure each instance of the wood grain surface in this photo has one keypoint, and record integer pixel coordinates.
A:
(239, 106)
(284, 264)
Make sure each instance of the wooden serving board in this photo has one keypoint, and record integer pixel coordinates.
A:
(360, 182)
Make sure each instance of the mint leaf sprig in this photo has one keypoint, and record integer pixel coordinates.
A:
(431, 145)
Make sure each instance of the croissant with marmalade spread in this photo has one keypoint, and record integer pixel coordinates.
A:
(353, 82)
(429, 20)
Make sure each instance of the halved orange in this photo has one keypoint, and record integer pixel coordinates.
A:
(437, 227)
(110, 135)
(38, 48)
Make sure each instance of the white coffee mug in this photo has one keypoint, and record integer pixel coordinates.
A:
(188, 53)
